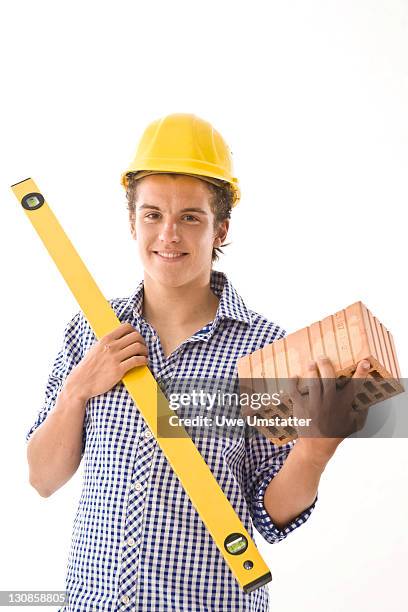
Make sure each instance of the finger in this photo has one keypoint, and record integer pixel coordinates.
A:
(326, 368)
(327, 374)
(291, 390)
(357, 385)
(362, 370)
(133, 349)
(119, 332)
(128, 339)
(359, 378)
(313, 383)
(133, 362)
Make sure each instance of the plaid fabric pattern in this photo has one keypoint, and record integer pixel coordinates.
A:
(137, 541)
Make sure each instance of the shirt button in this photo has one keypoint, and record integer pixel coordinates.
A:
(125, 599)
(130, 541)
(137, 486)
(147, 433)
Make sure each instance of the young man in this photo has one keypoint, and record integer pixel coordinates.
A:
(138, 543)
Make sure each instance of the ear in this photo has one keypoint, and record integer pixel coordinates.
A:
(222, 232)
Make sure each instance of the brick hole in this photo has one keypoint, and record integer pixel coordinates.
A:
(284, 408)
(389, 388)
(370, 387)
(363, 398)
(341, 381)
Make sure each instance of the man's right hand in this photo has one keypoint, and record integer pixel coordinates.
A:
(107, 361)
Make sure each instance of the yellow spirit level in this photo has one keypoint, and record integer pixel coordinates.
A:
(215, 510)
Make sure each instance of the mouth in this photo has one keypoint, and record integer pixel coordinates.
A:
(170, 256)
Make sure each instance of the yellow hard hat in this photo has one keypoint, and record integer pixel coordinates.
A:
(184, 144)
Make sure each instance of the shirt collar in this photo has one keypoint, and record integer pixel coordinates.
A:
(231, 305)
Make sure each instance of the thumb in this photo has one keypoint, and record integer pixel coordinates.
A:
(362, 369)
(359, 377)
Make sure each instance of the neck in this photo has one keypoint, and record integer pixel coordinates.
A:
(179, 306)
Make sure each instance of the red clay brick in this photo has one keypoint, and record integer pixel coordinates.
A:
(346, 337)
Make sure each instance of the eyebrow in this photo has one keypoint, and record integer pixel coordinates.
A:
(152, 207)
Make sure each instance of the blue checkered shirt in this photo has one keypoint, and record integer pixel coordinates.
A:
(137, 541)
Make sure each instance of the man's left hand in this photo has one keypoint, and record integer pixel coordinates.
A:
(331, 410)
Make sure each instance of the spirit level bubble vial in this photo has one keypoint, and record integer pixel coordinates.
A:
(214, 508)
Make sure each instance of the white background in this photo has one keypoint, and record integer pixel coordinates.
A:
(312, 98)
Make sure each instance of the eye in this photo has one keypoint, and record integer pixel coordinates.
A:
(150, 215)
(190, 217)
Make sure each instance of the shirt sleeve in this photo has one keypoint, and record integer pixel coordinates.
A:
(263, 461)
(68, 356)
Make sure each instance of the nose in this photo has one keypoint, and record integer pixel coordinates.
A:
(169, 232)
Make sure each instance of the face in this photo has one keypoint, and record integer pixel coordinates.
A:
(174, 217)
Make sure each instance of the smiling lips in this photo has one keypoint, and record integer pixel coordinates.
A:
(170, 255)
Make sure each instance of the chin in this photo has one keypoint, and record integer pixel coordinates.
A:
(173, 276)
(168, 277)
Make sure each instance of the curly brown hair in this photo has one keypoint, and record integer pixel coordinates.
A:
(221, 202)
